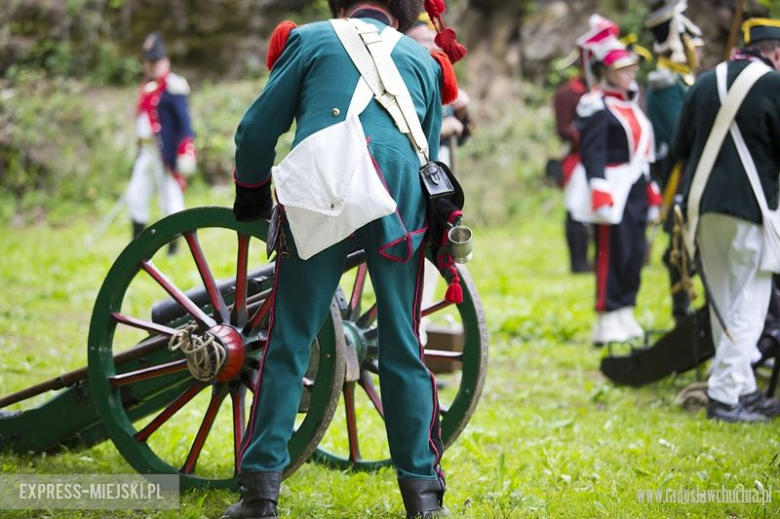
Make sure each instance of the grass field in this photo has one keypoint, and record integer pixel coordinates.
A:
(551, 436)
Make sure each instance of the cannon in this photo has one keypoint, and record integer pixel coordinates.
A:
(170, 372)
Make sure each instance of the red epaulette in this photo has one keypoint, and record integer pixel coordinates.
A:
(278, 42)
(449, 82)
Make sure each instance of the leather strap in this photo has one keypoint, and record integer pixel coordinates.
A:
(744, 153)
(370, 52)
(723, 122)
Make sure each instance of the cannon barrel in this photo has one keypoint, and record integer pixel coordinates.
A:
(168, 310)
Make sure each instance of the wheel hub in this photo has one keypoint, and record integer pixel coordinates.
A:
(356, 340)
(217, 354)
(233, 343)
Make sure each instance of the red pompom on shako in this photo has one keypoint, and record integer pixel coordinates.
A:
(278, 42)
(435, 7)
(446, 37)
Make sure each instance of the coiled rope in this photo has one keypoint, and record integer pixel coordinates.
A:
(205, 355)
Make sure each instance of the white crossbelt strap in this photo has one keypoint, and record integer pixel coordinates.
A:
(723, 121)
(744, 153)
(370, 52)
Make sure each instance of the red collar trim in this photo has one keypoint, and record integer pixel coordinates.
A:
(616, 93)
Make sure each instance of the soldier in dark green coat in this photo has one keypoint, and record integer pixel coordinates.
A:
(730, 234)
(677, 44)
(312, 82)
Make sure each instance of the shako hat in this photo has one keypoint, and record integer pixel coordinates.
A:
(758, 29)
(674, 33)
(601, 44)
(152, 48)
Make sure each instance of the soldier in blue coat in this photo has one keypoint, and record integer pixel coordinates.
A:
(312, 81)
(165, 138)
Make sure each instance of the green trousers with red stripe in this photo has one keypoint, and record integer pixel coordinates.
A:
(302, 295)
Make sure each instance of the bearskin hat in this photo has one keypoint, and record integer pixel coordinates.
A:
(405, 11)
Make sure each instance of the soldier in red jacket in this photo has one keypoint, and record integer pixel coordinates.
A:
(565, 104)
(611, 188)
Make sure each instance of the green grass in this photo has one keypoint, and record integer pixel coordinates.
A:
(551, 436)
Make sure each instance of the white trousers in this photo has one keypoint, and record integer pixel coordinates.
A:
(149, 175)
(730, 251)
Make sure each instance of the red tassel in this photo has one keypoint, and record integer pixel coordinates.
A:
(449, 82)
(435, 8)
(454, 290)
(448, 41)
(278, 42)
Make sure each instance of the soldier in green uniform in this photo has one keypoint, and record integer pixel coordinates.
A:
(677, 43)
(312, 81)
(730, 233)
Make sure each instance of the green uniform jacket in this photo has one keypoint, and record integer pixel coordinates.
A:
(665, 97)
(728, 190)
(312, 83)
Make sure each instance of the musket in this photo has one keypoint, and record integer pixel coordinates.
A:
(107, 220)
(453, 145)
(734, 31)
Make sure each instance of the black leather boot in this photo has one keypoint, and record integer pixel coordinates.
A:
(577, 238)
(423, 498)
(138, 228)
(259, 496)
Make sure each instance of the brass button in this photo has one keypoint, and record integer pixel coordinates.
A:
(336, 112)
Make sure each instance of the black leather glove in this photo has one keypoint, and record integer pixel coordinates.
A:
(253, 203)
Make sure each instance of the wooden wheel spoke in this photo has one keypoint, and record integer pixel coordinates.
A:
(199, 315)
(260, 316)
(218, 395)
(368, 318)
(352, 433)
(239, 317)
(237, 396)
(443, 355)
(259, 343)
(357, 291)
(249, 380)
(435, 307)
(141, 375)
(174, 407)
(372, 366)
(153, 328)
(368, 386)
(215, 296)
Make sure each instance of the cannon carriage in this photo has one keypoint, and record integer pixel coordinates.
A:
(171, 372)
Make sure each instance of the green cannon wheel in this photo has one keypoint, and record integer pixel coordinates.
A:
(197, 349)
(455, 350)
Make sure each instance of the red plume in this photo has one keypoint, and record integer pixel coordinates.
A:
(449, 82)
(278, 42)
